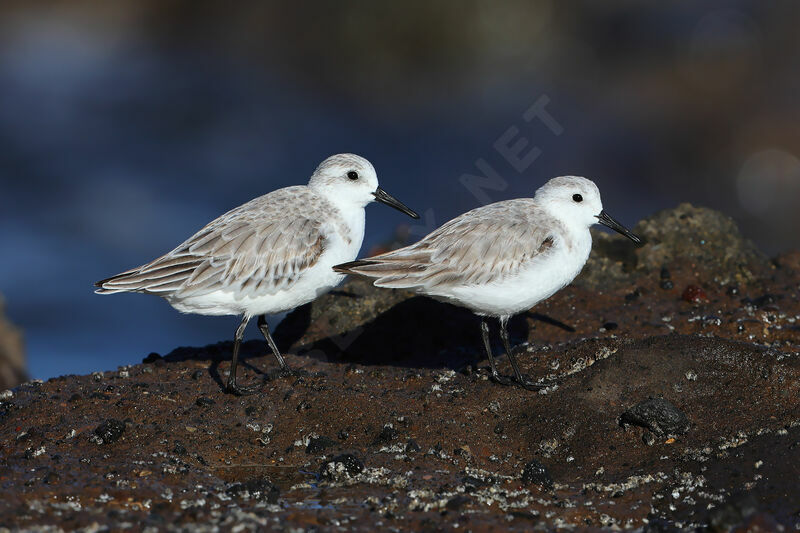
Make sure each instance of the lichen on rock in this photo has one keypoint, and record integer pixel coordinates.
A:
(706, 239)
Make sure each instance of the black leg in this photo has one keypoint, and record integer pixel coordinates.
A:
(264, 327)
(237, 342)
(521, 379)
(495, 374)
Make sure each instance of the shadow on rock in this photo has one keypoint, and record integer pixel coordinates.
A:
(417, 332)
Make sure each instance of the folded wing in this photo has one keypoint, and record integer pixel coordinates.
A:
(259, 247)
(478, 247)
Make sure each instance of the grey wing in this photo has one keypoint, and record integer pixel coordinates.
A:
(475, 248)
(240, 251)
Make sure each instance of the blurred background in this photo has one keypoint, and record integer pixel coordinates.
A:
(125, 126)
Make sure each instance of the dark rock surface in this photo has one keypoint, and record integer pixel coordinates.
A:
(12, 354)
(394, 424)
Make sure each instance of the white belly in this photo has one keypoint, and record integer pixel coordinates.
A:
(512, 295)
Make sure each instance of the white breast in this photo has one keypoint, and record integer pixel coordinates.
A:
(543, 277)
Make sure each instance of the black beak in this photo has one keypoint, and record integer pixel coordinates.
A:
(386, 198)
(609, 222)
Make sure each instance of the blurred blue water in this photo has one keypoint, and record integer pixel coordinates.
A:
(115, 148)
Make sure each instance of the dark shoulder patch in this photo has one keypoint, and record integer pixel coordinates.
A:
(546, 245)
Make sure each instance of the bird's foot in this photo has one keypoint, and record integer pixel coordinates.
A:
(238, 390)
(502, 380)
(521, 381)
(527, 384)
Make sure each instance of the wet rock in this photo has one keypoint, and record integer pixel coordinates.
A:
(317, 445)
(341, 467)
(658, 415)
(259, 489)
(110, 431)
(535, 473)
(733, 512)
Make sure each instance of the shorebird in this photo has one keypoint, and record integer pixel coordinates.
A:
(500, 259)
(268, 256)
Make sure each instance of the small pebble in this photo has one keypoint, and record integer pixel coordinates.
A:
(345, 465)
(258, 488)
(317, 445)
(632, 295)
(457, 502)
(204, 402)
(110, 430)
(694, 294)
(51, 478)
(535, 473)
(658, 415)
(387, 434)
(412, 446)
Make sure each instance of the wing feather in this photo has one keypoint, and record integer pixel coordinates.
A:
(477, 247)
(260, 247)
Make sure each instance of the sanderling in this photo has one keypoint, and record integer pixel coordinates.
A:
(500, 259)
(270, 255)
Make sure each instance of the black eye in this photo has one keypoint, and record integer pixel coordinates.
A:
(353, 175)
(577, 197)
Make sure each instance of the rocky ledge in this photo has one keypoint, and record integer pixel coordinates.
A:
(674, 403)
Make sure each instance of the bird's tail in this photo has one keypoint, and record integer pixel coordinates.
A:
(353, 266)
(124, 282)
(388, 272)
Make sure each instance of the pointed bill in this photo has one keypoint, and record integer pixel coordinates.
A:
(609, 222)
(386, 198)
